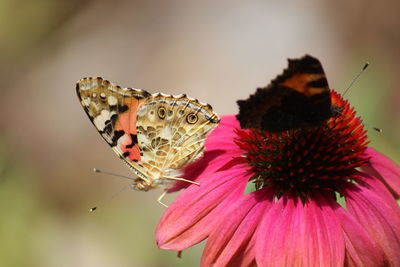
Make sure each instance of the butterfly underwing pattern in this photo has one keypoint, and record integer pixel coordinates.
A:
(300, 97)
(155, 134)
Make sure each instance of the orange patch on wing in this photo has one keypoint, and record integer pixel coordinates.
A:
(300, 83)
(127, 123)
(128, 118)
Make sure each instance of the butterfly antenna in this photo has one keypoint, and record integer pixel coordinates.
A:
(110, 198)
(113, 174)
(379, 130)
(115, 194)
(376, 129)
(356, 77)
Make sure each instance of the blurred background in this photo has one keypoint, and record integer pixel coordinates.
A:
(216, 51)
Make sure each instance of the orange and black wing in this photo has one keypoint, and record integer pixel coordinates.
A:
(300, 97)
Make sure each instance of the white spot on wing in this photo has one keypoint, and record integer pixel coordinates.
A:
(83, 85)
(100, 120)
(99, 123)
(142, 111)
(166, 133)
(124, 140)
(106, 114)
(86, 101)
(112, 100)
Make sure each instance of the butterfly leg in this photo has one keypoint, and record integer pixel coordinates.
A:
(180, 179)
(161, 197)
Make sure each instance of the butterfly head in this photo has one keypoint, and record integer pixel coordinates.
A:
(141, 185)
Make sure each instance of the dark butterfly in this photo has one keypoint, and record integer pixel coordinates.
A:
(300, 97)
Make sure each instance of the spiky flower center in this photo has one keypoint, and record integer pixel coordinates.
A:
(305, 159)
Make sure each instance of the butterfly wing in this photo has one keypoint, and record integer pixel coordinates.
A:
(113, 111)
(172, 131)
(155, 134)
(297, 98)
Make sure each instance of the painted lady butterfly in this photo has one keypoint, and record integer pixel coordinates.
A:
(155, 134)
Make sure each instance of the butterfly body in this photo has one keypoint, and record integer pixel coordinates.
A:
(155, 134)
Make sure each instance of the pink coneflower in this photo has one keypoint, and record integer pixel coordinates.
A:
(310, 196)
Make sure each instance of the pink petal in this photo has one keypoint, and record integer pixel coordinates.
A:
(211, 162)
(376, 185)
(361, 250)
(380, 220)
(293, 234)
(275, 244)
(385, 169)
(223, 136)
(230, 243)
(245, 257)
(192, 216)
(326, 246)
